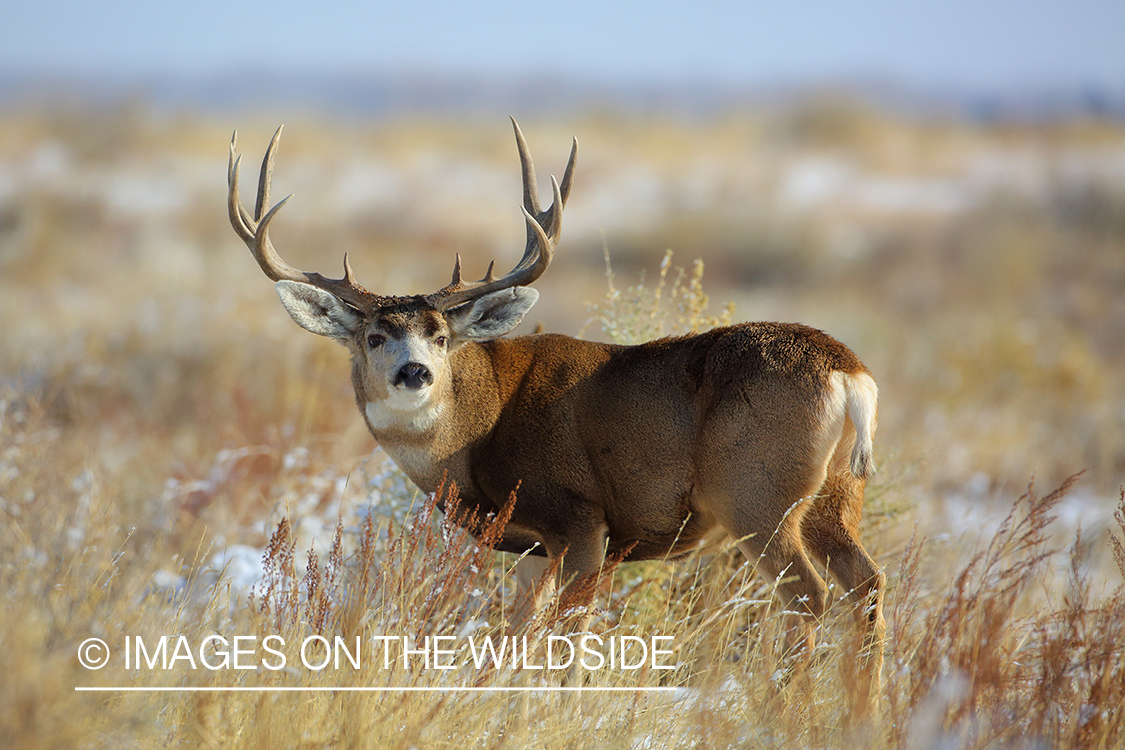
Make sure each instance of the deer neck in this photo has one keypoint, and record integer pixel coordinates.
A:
(434, 440)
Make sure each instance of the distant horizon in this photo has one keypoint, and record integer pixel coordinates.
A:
(435, 92)
(992, 47)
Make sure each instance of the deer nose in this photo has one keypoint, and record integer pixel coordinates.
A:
(413, 375)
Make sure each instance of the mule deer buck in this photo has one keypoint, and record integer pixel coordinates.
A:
(763, 429)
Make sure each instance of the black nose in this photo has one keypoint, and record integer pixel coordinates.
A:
(413, 375)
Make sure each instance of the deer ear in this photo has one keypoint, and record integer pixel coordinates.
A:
(492, 315)
(318, 311)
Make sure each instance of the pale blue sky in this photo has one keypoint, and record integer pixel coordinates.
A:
(978, 44)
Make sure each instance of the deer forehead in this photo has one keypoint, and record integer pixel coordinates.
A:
(400, 322)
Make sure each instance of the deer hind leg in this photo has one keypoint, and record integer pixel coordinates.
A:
(831, 533)
(768, 531)
(802, 591)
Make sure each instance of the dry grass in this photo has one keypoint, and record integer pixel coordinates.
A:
(177, 459)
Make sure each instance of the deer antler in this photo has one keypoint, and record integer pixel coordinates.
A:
(543, 229)
(254, 231)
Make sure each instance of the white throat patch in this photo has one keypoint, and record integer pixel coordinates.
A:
(403, 409)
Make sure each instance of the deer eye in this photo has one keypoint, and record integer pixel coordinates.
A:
(441, 341)
(374, 340)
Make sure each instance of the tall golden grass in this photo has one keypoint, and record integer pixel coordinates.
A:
(176, 459)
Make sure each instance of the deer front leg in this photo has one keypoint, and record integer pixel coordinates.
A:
(582, 559)
(534, 589)
(581, 565)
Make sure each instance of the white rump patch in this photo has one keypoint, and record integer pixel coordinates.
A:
(832, 413)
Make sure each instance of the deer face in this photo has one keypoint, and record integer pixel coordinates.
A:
(401, 350)
(402, 347)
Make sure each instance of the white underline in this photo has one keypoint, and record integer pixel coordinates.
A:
(348, 689)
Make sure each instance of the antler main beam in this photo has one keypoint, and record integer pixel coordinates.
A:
(254, 231)
(543, 229)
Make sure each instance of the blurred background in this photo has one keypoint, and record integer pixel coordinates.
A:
(939, 185)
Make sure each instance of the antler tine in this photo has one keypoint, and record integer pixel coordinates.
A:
(239, 219)
(543, 229)
(569, 173)
(543, 258)
(527, 167)
(456, 271)
(265, 176)
(254, 231)
(557, 203)
(274, 267)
